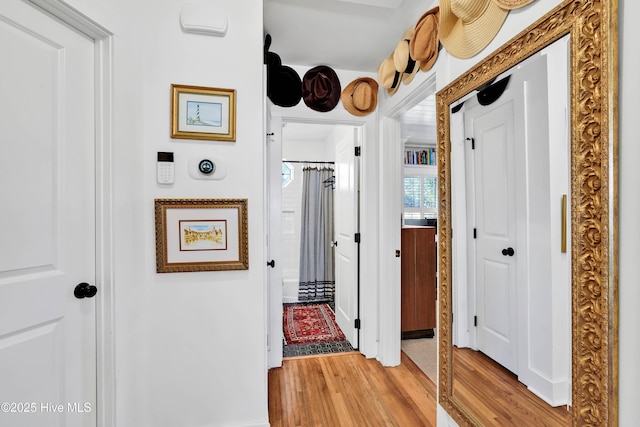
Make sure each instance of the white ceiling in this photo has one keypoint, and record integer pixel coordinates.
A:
(347, 35)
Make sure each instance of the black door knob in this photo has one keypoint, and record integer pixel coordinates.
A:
(271, 264)
(508, 251)
(85, 290)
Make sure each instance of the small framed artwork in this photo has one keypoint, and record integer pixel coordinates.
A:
(203, 113)
(201, 235)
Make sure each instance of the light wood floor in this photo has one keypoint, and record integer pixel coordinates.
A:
(349, 390)
(498, 397)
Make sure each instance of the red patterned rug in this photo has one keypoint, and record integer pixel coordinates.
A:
(304, 324)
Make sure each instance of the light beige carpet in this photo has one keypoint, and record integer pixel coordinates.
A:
(424, 353)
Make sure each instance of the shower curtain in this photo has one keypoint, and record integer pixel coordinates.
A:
(317, 280)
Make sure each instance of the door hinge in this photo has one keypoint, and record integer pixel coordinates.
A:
(358, 151)
(473, 143)
(357, 324)
(475, 233)
(357, 237)
(475, 320)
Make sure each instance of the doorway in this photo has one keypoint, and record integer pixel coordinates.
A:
(318, 256)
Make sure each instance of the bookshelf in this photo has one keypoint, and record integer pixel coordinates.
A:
(420, 156)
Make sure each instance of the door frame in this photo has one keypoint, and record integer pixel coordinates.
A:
(105, 277)
(369, 279)
(390, 212)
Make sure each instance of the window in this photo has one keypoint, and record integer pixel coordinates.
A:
(287, 174)
(420, 196)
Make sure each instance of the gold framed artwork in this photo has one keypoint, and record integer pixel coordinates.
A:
(201, 235)
(199, 112)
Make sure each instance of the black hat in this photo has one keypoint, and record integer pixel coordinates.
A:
(492, 91)
(321, 88)
(284, 87)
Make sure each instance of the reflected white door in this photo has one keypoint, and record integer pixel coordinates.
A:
(346, 226)
(493, 129)
(47, 335)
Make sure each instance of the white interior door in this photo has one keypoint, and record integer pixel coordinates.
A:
(493, 129)
(47, 335)
(346, 226)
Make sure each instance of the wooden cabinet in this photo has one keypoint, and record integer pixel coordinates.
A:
(418, 282)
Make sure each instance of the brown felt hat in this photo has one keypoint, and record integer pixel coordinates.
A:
(388, 76)
(360, 97)
(512, 4)
(424, 43)
(468, 26)
(321, 88)
(402, 60)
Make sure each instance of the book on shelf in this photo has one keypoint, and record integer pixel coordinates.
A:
(425, 156)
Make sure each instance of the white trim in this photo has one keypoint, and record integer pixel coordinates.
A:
(390, 166)
(105, 306)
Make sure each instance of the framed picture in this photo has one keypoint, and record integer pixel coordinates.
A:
(203, 113)
(201, 235)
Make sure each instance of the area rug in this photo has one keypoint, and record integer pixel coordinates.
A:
(424, 353)
(311, 323)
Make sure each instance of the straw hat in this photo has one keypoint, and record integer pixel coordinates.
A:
(424, 43)
(468, 26)
(321, 88)
(402, 60)
(388, 76)
(360, 97)
(512, 4)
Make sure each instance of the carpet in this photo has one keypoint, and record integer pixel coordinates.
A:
(424, 353)
(311, 323)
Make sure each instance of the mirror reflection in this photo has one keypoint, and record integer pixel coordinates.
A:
(527, 227)
(510, 145)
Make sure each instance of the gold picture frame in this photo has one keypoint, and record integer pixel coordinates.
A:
(199, 112)
(201, 235)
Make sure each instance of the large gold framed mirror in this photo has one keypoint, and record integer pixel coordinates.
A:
(592, 29)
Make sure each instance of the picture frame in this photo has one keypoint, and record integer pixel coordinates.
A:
(205, 113)
(201, 235)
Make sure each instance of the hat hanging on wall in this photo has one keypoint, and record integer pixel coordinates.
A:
(284, 87)
(424, 44)
(402, 60)
(321, 88)
(388, 76)
(490, 93)
(512, 4)
(360, 97)
(468, 26)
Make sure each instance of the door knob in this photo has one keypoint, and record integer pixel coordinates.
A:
(508, 251)
(271, 264)
(85, 290)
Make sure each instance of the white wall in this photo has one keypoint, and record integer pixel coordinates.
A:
(190, 347)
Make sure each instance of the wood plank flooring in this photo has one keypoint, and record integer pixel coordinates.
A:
(496, 395)
(349, 390)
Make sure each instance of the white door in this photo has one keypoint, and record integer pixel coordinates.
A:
(47, 221)
(492, 127)
(274, 242)
(346, 227)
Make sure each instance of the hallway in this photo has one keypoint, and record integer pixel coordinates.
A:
(350, 390)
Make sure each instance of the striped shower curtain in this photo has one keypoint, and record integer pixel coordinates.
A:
(317, 279)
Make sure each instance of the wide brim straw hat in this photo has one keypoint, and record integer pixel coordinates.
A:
(388, 77)
(424, 43)
(468, 26)
(402, 60)
(360, 97)
(321, 88)
(512, 4)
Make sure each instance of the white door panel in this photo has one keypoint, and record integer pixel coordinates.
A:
(493, 129)
(47, 335)
(346, 251)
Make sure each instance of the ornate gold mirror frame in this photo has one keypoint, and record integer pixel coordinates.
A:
(593, 80)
